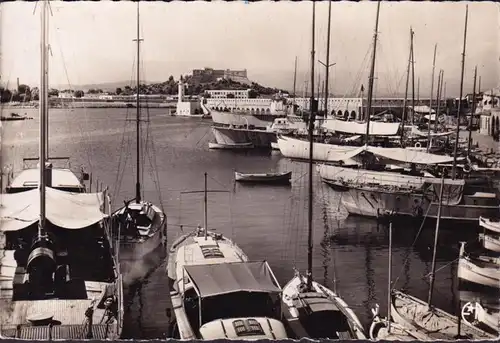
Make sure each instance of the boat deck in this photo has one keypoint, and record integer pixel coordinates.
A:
(68, 315)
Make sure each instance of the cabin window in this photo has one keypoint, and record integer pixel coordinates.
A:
(249, 327)
(212, 252)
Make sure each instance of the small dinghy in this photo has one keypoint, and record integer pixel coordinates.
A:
(276, 178)
(234, 146)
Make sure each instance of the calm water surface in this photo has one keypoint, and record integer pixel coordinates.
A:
(350, 254)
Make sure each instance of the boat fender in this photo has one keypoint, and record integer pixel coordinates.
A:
(418, 145)
(467, 168)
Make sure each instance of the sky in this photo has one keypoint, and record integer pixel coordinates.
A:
(92, 42)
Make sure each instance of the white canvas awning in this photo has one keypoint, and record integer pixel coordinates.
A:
(394, 154)
(64, 209)
(216, 279)
(356, 128)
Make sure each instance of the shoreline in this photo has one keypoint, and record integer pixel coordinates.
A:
(91, 105)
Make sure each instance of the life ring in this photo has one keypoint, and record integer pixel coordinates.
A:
(418, 145)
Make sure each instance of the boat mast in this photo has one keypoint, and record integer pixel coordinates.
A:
(436, 235)
(294, 84)
(389, 286)
(43, 119)
(406, 89)
(138, 117)
(438, 96)
(205, 208)
(473, 110)
(430, 104)
(371, 77)
(311, 144)
(454, 171)
(412, 82)
(327, 64)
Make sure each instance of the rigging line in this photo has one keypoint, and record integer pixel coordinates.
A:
(120, 172)
(407, 258)
(220, 183)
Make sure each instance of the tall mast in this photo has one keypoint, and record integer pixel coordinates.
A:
(438, 95)
(473, 110)
(412, 81)
(406, 91)
(430, 104)
(138, 117)
(294, 84)
(436, 236)
(43, 118)
(328, 56)
(372, 72)
(205, 209)
(311, 144)
(454, 172)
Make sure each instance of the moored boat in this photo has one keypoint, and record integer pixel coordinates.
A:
(230, 146)
(273, 178)
(490, 242)
(415, 314)
(237, 300)
(475, 314)
(142, 224)
(310, 309)
(490, 224)
(481, 270)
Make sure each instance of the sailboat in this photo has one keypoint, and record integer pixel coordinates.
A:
(310, 309)
(48, 240)
(386, 328)
(142, 223)
(417, 315)
(200, 246)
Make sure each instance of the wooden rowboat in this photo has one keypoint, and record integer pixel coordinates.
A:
(235, 146)
(276, 178)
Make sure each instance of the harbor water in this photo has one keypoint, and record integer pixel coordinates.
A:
(268, 222)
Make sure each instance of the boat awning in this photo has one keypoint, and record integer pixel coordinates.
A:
(393, 154)
(218, 279)
(63, 209)
(356, 128)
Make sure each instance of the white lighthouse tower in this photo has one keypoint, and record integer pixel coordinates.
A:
(186, 107)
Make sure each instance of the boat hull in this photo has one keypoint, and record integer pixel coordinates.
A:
(489, 224)
(234, 136)
(239, 146)
(414, 314)
(379, 202)
(298, 149)
(282, 178)
(490, 242)
(485, 275)
(244, 119)
(292, 315)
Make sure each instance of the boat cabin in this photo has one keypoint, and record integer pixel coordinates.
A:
(63, 179)
(140, 220)
(229, 300)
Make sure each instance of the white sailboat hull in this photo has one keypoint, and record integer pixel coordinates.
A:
(473, 313)
(490, 242)
(489, 224)
(487, 274)
(299, 149)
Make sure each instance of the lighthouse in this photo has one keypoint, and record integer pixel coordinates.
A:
(180, 91)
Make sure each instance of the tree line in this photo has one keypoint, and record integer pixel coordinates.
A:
(25, 93)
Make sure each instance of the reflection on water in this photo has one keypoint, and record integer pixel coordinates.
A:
(350, 254)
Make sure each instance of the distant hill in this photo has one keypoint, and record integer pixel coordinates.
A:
(105, 86)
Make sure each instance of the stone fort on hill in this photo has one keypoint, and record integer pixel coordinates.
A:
(208, 75)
